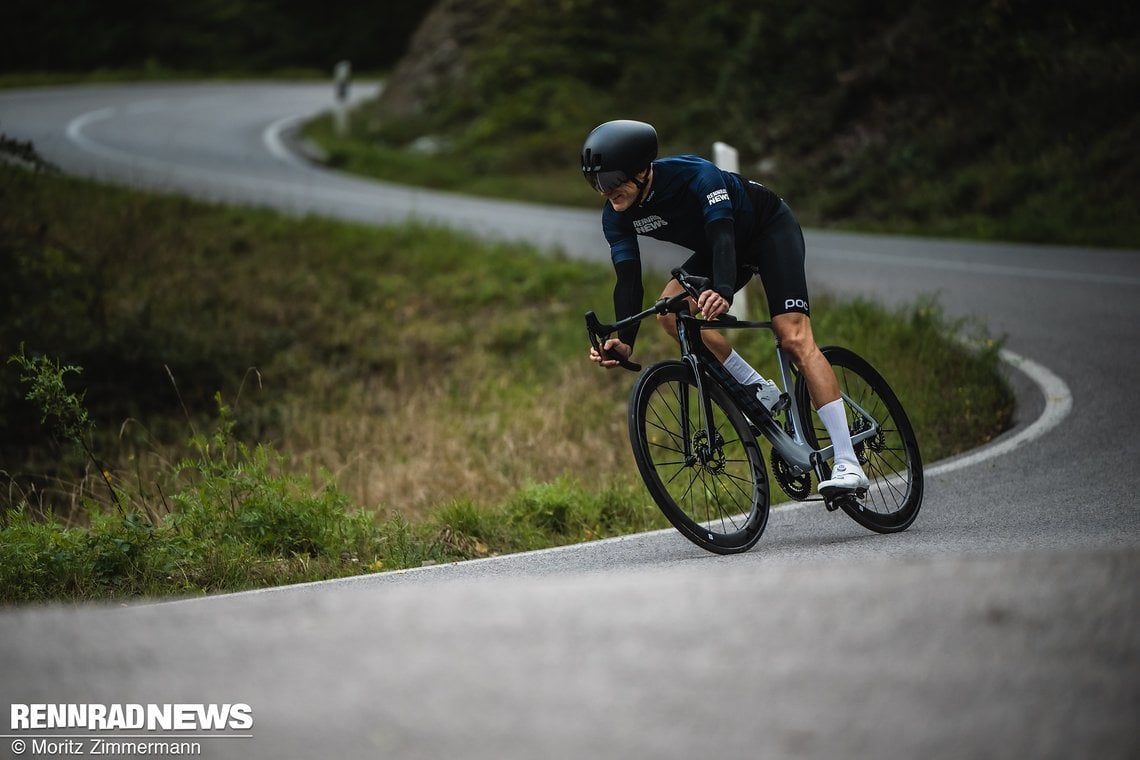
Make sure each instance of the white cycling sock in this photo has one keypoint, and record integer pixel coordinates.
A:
(834, 418)
(742, 370)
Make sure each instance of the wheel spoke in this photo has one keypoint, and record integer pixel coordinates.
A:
(890, 457)
(714, 489)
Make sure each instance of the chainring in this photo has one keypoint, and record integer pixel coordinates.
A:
(797, 487)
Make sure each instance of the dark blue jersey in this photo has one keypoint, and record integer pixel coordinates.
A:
(687, 193)
(692, 203)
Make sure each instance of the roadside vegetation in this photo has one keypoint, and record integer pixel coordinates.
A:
(197, 398)
(1010, 120)
(1000, 120)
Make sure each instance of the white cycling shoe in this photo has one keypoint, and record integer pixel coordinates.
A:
(845, 477)
(768, 393)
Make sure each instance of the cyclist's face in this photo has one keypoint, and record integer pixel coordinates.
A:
(624, 195)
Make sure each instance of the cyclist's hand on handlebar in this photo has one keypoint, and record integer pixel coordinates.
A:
(612, 346)
(712, 304)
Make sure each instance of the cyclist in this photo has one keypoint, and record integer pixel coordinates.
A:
(735, 228)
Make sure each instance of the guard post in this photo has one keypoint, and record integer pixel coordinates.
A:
(728, 158)
(342, 80)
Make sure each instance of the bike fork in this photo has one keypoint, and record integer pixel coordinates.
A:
(706, 418)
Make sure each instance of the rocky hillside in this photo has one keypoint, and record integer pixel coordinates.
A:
(1000, 118)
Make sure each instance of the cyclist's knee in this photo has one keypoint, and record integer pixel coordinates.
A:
(794, 333)
(668, 323)
(798, 345)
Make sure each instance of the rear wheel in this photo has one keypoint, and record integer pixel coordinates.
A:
(712, 488)
(890, 457)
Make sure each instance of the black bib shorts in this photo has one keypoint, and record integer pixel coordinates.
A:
(776, 252)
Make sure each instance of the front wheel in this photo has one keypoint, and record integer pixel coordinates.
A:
(709, 479)
(889, 457)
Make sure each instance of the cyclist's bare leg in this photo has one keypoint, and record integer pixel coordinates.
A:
(716, 342)
(793, 330)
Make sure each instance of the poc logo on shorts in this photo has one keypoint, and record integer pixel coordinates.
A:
(795, 303)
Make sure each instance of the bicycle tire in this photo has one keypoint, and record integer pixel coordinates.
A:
(716, 496)
(891, 459)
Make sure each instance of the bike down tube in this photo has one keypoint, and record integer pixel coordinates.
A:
(794, 451)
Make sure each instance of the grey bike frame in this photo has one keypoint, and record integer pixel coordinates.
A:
(794, 448)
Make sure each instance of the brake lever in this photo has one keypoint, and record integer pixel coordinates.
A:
(692, 284)
(598, 332)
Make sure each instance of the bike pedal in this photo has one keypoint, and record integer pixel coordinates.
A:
(834, 498)
(831, 497)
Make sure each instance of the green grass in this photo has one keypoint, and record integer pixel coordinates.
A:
(379, 160)
(276, 399)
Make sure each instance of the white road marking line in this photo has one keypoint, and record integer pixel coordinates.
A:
(1058, 404)
(271, 137)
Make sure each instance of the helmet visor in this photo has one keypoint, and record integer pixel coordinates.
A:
(605, 182)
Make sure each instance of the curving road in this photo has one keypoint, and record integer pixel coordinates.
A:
(1003, 624)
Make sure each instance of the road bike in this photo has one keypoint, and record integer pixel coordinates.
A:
(696, 435)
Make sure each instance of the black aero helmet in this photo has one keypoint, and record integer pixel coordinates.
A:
(616, 151)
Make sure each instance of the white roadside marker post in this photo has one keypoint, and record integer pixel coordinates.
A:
(342, 79)
(728, 158)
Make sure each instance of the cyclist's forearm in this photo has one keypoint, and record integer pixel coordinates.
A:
(628, 297)
(722, 237)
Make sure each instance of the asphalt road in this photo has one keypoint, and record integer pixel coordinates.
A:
(1004, 623)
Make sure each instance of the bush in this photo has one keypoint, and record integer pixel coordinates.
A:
(235, 522)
